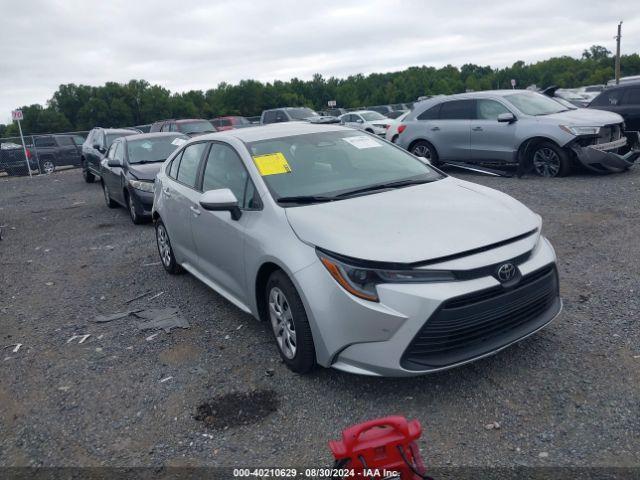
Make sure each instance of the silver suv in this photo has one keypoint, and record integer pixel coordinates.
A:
(513, 126)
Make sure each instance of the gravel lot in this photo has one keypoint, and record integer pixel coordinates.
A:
(567, 396)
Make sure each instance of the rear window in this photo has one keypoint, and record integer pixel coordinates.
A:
(112, 136)
(197, 126)
(301, 113)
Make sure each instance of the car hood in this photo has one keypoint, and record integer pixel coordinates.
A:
(413, 224)
(145, 171)
(584, 117)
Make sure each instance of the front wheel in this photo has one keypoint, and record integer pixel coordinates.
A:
(107, 196)
(165, 250)
(86, 174)
(289, 324)
(134, 210)
(549, 160)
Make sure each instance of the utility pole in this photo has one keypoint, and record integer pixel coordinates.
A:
(618, 52)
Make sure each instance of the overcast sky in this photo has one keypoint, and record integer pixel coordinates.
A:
(187, 44)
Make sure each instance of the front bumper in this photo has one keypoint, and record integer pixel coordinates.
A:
(372, 338)
(143, 199)
(615, 156)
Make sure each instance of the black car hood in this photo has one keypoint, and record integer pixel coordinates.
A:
(145, 171)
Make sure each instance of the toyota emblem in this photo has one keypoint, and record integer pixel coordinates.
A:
(506, 272)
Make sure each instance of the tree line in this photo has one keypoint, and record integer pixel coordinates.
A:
(81, 107)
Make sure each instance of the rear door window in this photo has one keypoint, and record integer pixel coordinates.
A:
(188, 169)
(458, 110)
(632, 97)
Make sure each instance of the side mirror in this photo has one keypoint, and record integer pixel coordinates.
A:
(221, 200)
(97, 147)
(506, 118)
(112, 162)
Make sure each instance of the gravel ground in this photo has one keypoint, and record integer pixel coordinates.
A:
(217, 394)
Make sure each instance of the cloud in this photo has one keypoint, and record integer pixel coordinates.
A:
(196, 45)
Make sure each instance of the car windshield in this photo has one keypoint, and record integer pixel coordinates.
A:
(197, 126)
(372, 116)
(532, 103)
(326, 164)
(112, 136)
(155, 149)
(301, 113)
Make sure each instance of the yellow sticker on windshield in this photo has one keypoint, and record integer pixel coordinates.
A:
(271, 164)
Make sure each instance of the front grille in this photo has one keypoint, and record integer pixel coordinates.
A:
(609, 133)
(475, 324)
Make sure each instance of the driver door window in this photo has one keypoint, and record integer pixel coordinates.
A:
(224, 169)
(489, 109)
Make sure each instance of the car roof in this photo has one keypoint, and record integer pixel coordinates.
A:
(285, 108)
(628, 83)
(119, 130)
(142, 136)
(273, 130)
(363, 111)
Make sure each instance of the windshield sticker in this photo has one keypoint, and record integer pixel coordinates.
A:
(271, 164)
(363, 142)
(178, 141)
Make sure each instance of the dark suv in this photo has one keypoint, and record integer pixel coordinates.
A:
(188, 126)
(286, 114)
(95, 147)
(55, 150)
(623, 99)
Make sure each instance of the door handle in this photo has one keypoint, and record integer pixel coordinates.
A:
(435, 129)
(477, 129)
(166, 191)
(195, 211)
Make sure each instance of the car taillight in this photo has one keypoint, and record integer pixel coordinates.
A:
(401, 128)
(28, 154)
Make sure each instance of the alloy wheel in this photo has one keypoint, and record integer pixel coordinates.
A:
(546, 162)
(48, 167)
(282, 322)
(422, 151)
(163, 245)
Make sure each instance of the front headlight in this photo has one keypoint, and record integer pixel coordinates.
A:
(580, 130)
(362, 281)
(142, 185)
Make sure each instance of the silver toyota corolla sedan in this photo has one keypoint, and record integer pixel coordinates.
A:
(359, 255)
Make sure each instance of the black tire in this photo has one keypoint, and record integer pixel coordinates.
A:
(47, 166)
(107, 197)
(167, 258)
(549, 160)
(134, 210)
(86, 174)
(302, 359)
(424, 149)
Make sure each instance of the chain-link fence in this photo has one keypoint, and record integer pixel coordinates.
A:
(41, 154)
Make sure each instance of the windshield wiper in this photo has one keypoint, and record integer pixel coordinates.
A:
(384, 186)
(305, 199)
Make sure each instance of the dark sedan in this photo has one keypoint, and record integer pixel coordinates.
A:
(129, 169)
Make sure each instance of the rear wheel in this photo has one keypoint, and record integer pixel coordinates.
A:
(289, 323)
(425, 150)
(86, 174)
(165, 250)
(549, 160)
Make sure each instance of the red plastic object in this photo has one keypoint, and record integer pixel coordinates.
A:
(373, 445)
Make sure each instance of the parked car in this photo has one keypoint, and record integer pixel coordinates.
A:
(630, 78)
(230, 122)
(129, 169)
(623, 99)
(254, 120)
(508, 126)
(286, 114)
(395, 129)
(360, 256)
(12, 160)
(95, 147)
(367, 120)
(396, 113)
(56, 150)
(381, 109)
(188, 126)
(333, 112)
